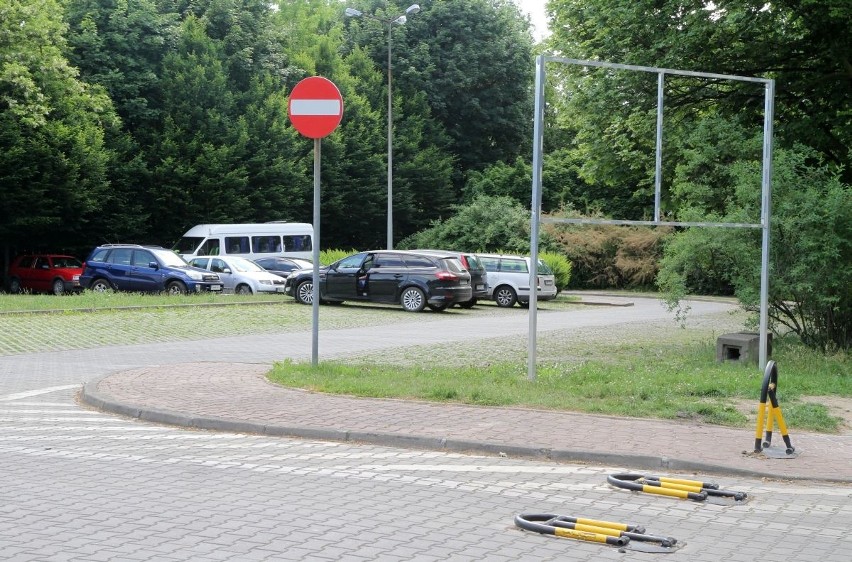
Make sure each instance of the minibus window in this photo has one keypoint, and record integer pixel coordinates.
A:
(209, 248)
(237, 244)
(266, 244)
(300, 243)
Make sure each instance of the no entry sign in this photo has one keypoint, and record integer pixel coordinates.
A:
(315, 107)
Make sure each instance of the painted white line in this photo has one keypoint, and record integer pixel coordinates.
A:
(49, 411)
(39, 404)
(56, 419)
(83, 428)
(29, 393)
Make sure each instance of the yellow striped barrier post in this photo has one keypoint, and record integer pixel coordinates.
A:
(770, 413)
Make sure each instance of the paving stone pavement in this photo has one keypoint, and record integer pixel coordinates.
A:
(232, 396)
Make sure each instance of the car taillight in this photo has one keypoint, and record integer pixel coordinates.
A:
(464, 262)
(446, 276)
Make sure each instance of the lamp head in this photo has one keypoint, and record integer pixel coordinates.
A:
(413, 9)
(353, 13)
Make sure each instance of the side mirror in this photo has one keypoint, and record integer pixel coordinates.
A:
(226, 270)
(153, 265)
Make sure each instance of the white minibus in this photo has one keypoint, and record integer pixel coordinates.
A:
(261, 240)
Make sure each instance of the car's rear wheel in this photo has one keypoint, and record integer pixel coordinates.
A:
(176, 288)
(468, 304)
(305, 292)
(243, 290)
(100, 286)
(58, 287)
(505, 296)
(438, 307)
(412, 299)
(14, 285)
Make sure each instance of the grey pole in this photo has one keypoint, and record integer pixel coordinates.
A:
(316, 245)
(401, 19)
(658, 176)
(538, 141)
(766, 200)
(390, 141)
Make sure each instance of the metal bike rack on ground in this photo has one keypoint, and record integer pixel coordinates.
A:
(632, 537)
(771, 415)
(676, 488)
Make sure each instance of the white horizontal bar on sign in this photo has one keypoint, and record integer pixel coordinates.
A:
(315, 107)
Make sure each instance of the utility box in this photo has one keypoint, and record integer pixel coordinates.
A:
(741, 346)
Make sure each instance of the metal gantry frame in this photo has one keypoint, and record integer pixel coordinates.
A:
(766, 181)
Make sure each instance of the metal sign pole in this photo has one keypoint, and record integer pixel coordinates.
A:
(766, 200)
(538, 139)
(315, 110)
(316, 291)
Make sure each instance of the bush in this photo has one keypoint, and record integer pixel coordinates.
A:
(810, 279)
(609, 256)
(328, 257)
(561, 267)
(488, 224)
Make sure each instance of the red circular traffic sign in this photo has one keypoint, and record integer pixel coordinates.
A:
(315, 107)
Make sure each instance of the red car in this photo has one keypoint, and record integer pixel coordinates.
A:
(45, 273)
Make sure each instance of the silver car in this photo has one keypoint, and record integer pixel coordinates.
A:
(509, 279)
(241, 276)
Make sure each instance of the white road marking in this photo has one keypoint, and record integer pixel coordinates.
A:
(37, 392)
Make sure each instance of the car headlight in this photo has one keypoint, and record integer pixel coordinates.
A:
(265, 282)
(195, 275)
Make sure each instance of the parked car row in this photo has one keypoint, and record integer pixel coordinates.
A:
(424, 278)
(416, 279)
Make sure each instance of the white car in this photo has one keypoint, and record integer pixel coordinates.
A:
(509, 279)
(241, 276)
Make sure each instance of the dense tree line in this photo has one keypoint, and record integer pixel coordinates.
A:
(132, 120)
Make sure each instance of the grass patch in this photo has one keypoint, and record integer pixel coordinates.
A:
(89, 300)
(669, 381)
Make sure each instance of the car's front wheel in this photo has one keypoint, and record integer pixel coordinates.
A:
(14, 285)
(505, 296)
(58, 287)
(243, 290)
(413, 299)
(305, 292)
(176, 288)
(100, 286)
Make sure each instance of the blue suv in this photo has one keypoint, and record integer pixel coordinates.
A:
(149, 269)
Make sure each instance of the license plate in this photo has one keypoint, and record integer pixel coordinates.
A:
(548, 282)
(480, 287)
(215, 287)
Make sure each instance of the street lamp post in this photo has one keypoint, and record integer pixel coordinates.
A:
(399, 19)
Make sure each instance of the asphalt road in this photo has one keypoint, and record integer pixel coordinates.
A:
(78, 484)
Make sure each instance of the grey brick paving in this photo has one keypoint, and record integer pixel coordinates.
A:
(124, 489)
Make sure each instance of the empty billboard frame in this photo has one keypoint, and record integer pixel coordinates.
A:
(766, 181)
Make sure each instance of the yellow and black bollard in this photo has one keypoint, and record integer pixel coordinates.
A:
(683, 489)
(675, 487)
(631, 537)
(770, 413)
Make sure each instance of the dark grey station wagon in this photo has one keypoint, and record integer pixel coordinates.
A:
(413, 280)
